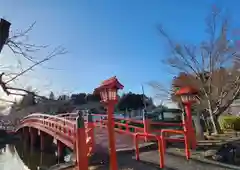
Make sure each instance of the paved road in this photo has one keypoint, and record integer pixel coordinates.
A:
(175, 162)
(171, 162)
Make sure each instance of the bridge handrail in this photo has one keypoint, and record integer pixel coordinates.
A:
(127, 128)
(46, 116)
(66, 127)
(68, 131)
(160, 146)
(49, 117)
(67, 114)
(166, 123)
(72, 115)
(100, 119)
(46, 120)
(186, 140)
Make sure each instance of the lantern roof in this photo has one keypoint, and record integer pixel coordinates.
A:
(110, 83)
(186, 91)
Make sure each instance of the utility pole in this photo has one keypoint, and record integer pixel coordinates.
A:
(143, 96)
(144, 103)
(4, 32)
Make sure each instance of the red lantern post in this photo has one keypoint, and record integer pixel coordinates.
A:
(189, 96)
(108, 92)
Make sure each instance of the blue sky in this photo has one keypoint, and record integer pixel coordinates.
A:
(108, 37)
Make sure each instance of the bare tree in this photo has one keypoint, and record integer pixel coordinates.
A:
(213, 65)
(19, 45)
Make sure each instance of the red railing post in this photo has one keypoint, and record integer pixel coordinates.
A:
(126, 125)
(81, 146)
(161, 150)
(146, 124)
(136, 147)
(90, 125)
(186, 140)
(160, 147)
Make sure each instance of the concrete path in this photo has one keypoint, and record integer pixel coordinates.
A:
(125, 142)
(176, 162)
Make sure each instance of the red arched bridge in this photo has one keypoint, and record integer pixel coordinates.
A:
(84, 134)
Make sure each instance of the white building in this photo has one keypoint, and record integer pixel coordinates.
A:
(235, 107)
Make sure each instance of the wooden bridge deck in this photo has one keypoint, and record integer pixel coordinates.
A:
(123, 141)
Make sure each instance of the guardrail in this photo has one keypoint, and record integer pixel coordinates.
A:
(52, 125)
(66, 129)
(186, 140)
(160, 146)
(129, 126)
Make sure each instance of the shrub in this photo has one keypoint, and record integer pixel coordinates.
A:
(230, 122)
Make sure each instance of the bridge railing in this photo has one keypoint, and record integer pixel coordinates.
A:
(90, 135)
(50, 118)
(68, 116)
(186, 139)
(127, 125)
(131, 126)
(53, 124)
(160, 143)
(146, 126)
(64, 125)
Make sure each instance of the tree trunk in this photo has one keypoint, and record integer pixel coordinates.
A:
(198, 127)
(214, 119)
(215, 123)
(207, 126)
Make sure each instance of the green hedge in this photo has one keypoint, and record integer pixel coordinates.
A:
(229, 122)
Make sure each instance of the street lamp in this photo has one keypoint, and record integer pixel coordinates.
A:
(189, 96)
(4, 32)
(108, 93)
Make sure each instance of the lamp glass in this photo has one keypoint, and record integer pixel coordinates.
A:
(112, 94)
(104, 95)
(188, 98)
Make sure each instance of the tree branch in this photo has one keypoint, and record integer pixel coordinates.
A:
(55, 52)
(19, 46)
(209, 65)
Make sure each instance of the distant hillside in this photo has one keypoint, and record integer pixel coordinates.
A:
(50, 107)
(90, 106)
